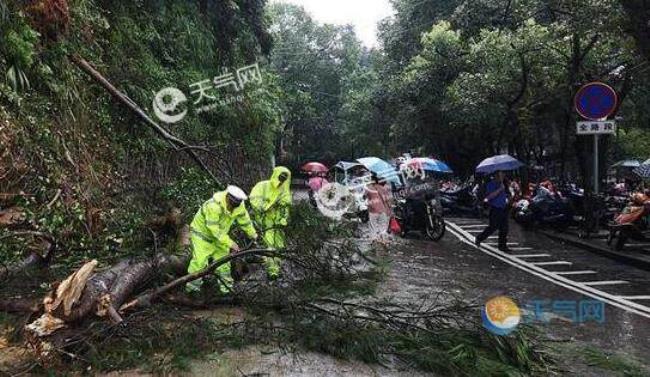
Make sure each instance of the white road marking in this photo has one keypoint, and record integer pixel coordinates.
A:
(554, 263)
(474, 231)
(474, 226)
(531, 255)
(520, 248)
(636, 297)
(585, 272)
(617, 301)
(495, 243)
(605, 282)
(493, 237)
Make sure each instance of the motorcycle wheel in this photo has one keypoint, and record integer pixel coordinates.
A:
(436, 232)
(620, 242)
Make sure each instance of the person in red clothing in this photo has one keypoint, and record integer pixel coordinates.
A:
(379, 207)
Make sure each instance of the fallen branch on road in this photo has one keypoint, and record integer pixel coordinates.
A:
(148, 298)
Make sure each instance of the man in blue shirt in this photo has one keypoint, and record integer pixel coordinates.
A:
(497, 198)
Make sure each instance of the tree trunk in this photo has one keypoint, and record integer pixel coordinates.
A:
(639, 13)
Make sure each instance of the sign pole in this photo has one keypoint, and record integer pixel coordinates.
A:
(595, 102)
(596, 181)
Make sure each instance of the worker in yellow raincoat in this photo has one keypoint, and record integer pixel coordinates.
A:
(209, 234)
(271, 201)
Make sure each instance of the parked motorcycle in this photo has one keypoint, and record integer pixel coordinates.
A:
(544, 209)
(595, 212)
(424, 215)
(461, 202)
(632, 223)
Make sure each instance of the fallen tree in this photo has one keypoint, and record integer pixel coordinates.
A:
(87, 293)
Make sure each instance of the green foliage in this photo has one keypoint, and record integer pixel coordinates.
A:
(190, 190)
(17, 48)
(317, 66)
(75, 138)
(635, 143)
(447, 351)
(462, 80)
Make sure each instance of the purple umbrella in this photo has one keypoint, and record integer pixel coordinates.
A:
(496, 163)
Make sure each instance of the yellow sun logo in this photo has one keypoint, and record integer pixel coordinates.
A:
(501, 308)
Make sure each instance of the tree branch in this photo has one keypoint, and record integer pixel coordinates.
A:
(175, 142)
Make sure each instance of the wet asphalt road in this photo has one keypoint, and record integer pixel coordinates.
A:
(421, 267)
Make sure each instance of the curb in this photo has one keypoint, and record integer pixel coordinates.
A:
(603, 251)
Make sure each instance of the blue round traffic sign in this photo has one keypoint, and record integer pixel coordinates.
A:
(596, 101)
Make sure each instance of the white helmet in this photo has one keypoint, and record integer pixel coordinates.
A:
(236, 193)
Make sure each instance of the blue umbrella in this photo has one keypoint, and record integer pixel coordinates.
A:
(643, 171)
(383, 169)
(496, 163)
(432, 165)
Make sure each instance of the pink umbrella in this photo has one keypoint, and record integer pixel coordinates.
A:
(314, 167)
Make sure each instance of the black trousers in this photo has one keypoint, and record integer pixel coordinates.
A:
(498, 220)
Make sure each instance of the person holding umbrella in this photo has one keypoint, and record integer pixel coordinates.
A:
(497, 198)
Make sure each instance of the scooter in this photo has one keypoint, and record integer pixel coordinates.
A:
(420, 215)
(632, 223)
(545, 209)
(461, 202)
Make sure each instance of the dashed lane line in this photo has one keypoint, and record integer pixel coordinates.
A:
(553, 263)
(558, 279)
(605, 282)
(636, 297)
(567, 273)
(531, 255)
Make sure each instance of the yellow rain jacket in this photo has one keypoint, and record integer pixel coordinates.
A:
(271, 202)
(210, 236)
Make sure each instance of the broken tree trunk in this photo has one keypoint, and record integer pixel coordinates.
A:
(148, 298)
(85, 293)
(175, 142)
(135, 276)
(105, 291)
